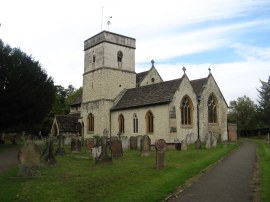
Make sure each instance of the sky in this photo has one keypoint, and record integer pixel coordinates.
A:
(232, 37)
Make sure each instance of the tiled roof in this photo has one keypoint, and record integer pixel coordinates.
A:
(77, 100)
(67, 123)
(140, 76)
(159, 93)
(198, 85)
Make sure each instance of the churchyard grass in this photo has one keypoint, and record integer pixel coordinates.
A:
(129, 178)
(264, 163)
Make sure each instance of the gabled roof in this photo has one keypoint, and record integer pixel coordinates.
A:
(67, 123)
(78, 99)
(159, 93)
(140, 76)
(198, 85)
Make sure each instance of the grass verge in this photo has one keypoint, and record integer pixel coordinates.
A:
(129, 178)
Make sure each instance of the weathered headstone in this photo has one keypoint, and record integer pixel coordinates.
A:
(133, 142)
(139, 137)
(116, 148)
(76, 145)
(208, 140)
(48, 154)
(214, 142)
(29, 160)
(219, 140)
(268, 138)
(188, 138)
(160, 146)
(184, 144)
(89, 143)
(67, 140)
(125, 142)
(177, 144)
(198, 144)
(114, 138)
(104, 156)
(60, 149)
(145, 145)
(96, 151)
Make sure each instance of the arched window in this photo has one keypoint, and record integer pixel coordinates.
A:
(186, 111)
(119, 56)
(91, 122)
(121, 122)
(149, 122)
(135, 123)
(212, 109)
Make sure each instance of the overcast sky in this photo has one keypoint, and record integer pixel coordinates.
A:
(232, 37)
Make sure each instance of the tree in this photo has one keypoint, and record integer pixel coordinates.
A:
(264, 102)
(26, 91)
(243, 111)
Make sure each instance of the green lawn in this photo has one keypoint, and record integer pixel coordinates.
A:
(129, 178)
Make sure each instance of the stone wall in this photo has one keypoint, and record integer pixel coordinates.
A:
(152, 77)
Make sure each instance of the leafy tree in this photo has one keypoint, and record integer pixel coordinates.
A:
(243, 111)
(264, 102)
(26, 91)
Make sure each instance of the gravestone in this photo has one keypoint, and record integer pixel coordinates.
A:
(89, 143)
(139, 137)
(184, 144)
(67, 140)
(198, 144)
(29, 160)
(96, 151)
(268, 138)
(188, 138)
(114, 138)
(133, 142)
(76, 145)
(145, 145)
(177, 144)
(208, 140)
(214, 142)
(219, 140)
(104, 156)
(60, 149)
(125, 143)
(48, 154)
(160, 146)
(116, 148)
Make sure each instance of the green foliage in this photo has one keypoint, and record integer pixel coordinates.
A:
(243, 112)
(129, 178)
(264, 102)
(26, 91)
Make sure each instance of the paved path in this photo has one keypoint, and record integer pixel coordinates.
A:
(8, 158)
(228, 181)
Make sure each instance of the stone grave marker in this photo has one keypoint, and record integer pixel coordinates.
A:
(29, 160)
(96, 151)
(125, 142)
(48, 154)
(104, 156)
(114, 138)
(145, 145)
(198, 144)
(184, 144)
(133, 142)
(208, 140)
(268, 138)
(177, 144)
(60, 149)
(76, 145)
(116, 148)
(219, 140)
(89, 143)
(188, 138)
(139, 137)
(160, 146)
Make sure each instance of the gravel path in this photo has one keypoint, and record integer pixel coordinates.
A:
(228, 181)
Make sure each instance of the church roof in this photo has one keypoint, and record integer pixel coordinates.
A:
(140, 76)
(67, 123)
(159, 93)
(78, 99)
(198, 85)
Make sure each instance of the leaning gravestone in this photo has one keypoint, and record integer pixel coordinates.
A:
(116, 148)
(139, 137)
(133, 142)
(160, 146)
(29, 160)
(48, 154)
(208, 141)
(184, 144)
(145, 145)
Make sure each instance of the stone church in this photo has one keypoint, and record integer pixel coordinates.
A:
(124, 102)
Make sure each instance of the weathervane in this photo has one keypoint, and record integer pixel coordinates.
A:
(109, 22)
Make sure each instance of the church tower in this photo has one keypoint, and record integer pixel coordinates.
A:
(109, 68)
